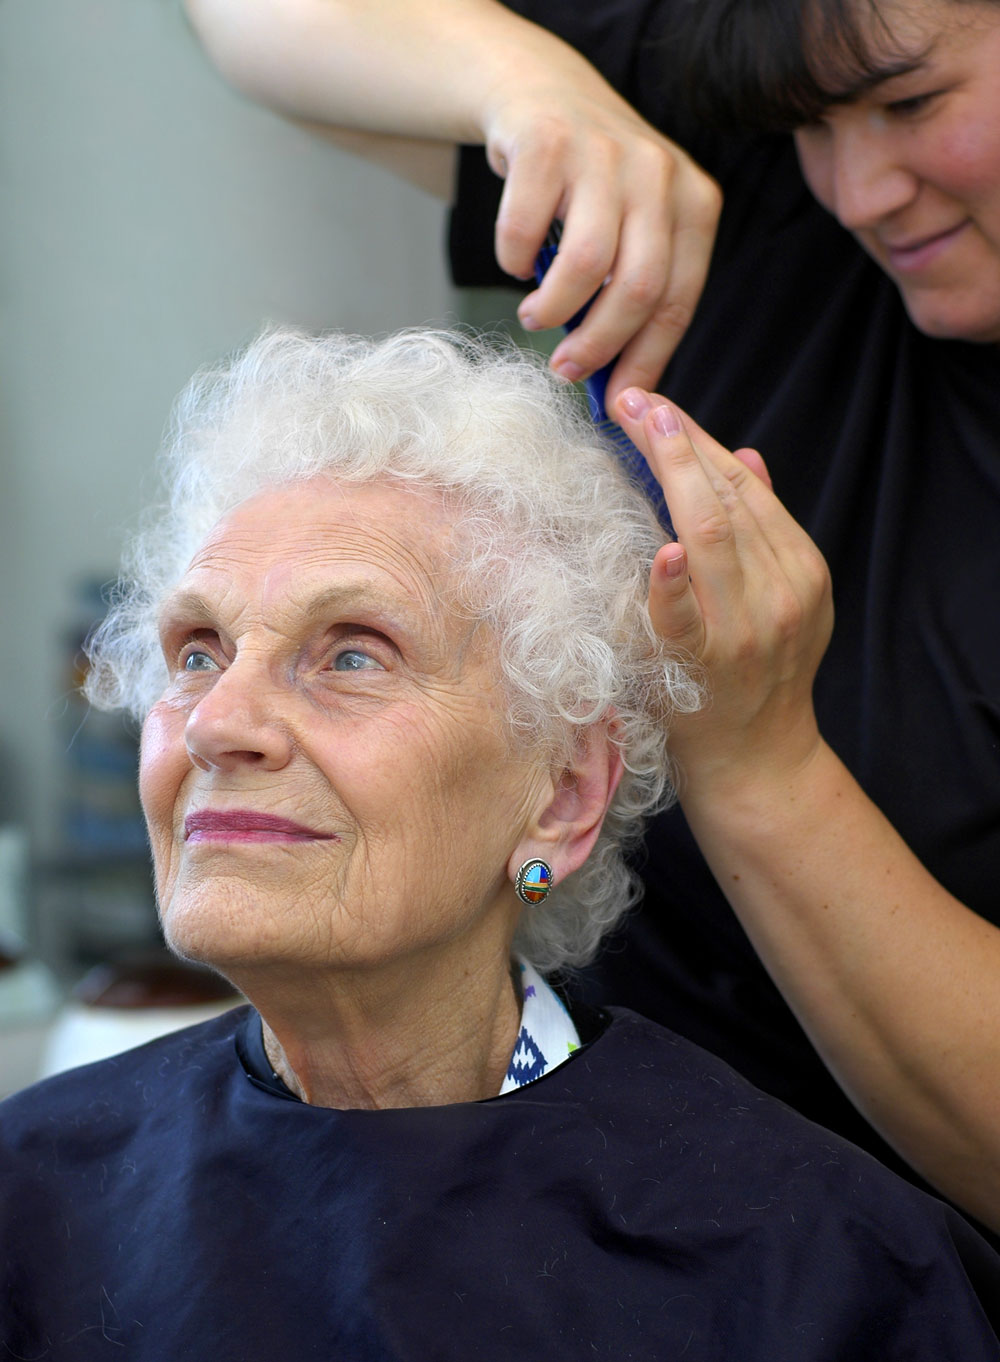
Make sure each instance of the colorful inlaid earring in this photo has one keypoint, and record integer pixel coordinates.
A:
(533, 881)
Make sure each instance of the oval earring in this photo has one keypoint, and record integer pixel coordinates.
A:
(533, 881)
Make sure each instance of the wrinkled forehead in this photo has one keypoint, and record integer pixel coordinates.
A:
(318, 513)
(300, 555)
(319, 538)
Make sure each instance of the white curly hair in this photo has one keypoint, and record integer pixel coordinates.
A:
(553, 550)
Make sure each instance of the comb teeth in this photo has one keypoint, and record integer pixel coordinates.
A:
(596, 387)
(637, 468)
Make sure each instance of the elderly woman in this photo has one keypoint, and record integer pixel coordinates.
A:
(404, 710)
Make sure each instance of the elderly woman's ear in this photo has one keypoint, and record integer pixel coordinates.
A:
(572, 808)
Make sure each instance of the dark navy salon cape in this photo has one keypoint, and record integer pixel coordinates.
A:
(639, 1202)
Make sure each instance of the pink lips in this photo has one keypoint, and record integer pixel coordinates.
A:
(916, 255)
(245, 825)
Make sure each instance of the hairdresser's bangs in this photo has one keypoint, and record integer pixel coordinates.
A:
(774, 65)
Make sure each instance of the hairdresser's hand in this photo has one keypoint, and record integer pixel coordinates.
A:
(745, 591)
(636, 209)
(639, 217)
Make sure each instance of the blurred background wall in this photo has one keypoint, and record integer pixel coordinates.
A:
(150, 220)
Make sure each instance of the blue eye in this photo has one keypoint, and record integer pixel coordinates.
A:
(199, 662)
(353, 660)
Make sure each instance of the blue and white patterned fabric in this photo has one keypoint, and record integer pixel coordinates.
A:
(547, 1037)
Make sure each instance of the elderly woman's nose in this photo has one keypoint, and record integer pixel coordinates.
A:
(238, 723)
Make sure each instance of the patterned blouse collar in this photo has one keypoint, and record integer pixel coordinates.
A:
(547, 1037)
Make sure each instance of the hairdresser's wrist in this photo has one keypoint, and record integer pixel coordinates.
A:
(534, 75)
(727, 782)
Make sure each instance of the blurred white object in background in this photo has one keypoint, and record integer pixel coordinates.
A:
(125, 1002)
(13, 888)
(120, 1005)
(29, 998)
(29, 992)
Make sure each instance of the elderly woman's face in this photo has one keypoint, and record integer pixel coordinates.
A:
(327, 777)
(912, 165)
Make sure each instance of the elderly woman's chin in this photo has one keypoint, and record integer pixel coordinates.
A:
(235, 929)
(269, 940)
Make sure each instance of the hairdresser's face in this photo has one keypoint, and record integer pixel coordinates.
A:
(912, 165)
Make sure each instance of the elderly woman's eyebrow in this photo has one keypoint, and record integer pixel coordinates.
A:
(183, 603)
(359, 593)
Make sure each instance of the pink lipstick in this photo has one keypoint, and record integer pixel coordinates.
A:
(246, 825)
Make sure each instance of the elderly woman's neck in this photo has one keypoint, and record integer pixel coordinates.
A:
(369, 1043)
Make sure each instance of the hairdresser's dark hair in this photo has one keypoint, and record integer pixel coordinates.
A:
(744, 62)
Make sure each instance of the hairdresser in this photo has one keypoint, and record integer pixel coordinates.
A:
(848, 329)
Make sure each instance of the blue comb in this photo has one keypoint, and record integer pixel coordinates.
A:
(596, 387)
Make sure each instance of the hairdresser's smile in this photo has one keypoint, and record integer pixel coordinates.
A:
(921, 253)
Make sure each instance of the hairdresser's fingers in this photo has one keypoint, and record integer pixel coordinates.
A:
(633, 206)
(735, 467)
(719, 455)
(636, 404)
(750, 458)
(531, 198)
(673, 605)
(633, 281)
(670, 214)
(631, 408)
(559, 167)
(762, 585)
(695, 221)
(710, 517)
(771, 527)
(770, 522)
(588, 247)
(761, 526)
(733, 574)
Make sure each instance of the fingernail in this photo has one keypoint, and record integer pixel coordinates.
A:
(666, 421)
(527, 321)
(568, 370)
(676, 564)
(635, 402)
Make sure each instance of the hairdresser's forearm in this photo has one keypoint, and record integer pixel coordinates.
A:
(896, 982)
(430, 70)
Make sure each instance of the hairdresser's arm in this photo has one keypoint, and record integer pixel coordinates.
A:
(895, 981)
(637, 211)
